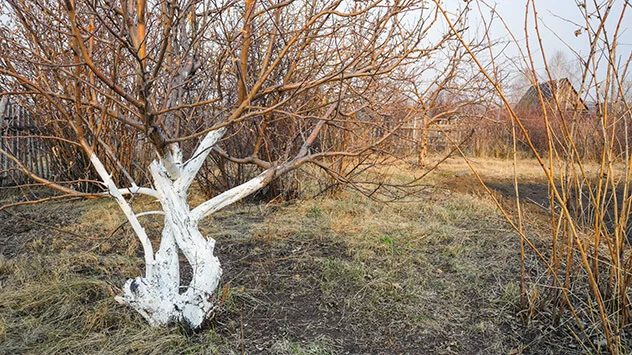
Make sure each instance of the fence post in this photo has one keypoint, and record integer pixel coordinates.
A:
(4, 162)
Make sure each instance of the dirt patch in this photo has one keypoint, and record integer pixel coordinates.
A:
(440, 298)
(580, 206)
(276, 293)
(536, 193)
(21, 225)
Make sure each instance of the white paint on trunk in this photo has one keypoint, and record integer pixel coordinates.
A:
(159, 297)
(172, 161)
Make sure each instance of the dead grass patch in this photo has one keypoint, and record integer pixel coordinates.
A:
(436, 273)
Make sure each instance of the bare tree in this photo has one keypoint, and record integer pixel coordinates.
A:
(282, 83)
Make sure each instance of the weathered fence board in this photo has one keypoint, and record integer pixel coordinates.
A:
(21, 138)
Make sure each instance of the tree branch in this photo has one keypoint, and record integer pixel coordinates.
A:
(233, 195)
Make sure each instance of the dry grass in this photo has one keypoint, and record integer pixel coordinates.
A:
(527, 169)
(434, 273)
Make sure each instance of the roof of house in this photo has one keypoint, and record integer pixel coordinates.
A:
(548, 90)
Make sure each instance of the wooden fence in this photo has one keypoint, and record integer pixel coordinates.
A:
(21, 139)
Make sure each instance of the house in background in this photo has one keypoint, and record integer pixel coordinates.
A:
(567, 97)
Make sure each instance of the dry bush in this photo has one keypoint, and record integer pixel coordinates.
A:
(581, 277)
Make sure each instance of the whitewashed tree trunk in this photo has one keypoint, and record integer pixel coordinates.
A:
(158, 296)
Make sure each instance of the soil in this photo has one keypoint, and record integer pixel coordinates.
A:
(285, 301)
(537, 196)
(19, 228)
(279, 304)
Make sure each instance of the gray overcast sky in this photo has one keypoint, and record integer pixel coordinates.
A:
(559, 19)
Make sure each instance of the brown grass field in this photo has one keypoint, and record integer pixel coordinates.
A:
(436, 273)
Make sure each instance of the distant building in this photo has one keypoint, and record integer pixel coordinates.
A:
(567, 97)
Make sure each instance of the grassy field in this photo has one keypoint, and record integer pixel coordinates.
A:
(436, 273)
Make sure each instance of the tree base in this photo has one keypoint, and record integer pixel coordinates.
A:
(162, 307)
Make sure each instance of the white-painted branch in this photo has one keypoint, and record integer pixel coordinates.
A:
(140, 190)
(129, 213)
(233, 195)
(193, 165)
(149, 213)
